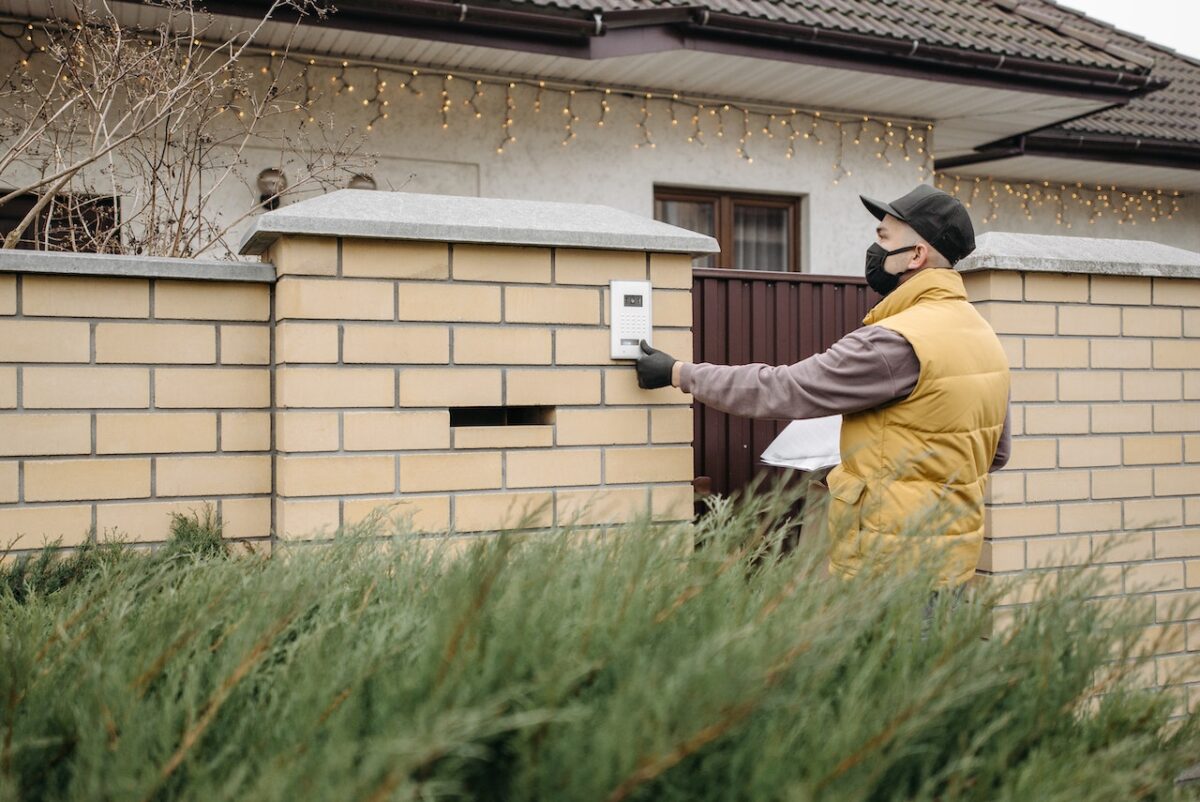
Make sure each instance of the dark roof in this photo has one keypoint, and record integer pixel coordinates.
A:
(1172, 113)
(979, 25)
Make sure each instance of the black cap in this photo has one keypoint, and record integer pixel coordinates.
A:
(940, 218)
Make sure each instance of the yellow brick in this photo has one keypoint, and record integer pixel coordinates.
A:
(1014, 351)
(672, 425)
(182, 388)
(503, 436)
(1028, 453)
(553, 468)
(374, 258)
(421, 473)
(999, 556)
(672, 502)
(335, 387)
(36, 525)
(298, 520)
(1122, 483)
(501, 263)
(44, 341)
(1156, 385)
(9, 482)
(8, 388)
(155, 342)
(501, 345)
(156, 432)
(1082, 452)
(676, 342)
(663, 464)
(195, 476)
(582, 347)
(306, 431)
(671, 308)
(1120, 418)
(576, 266)
(476, 512)
(1005, 522)
(1176, 417)
(552, 387)
(29, 435)
(1173, 292)
(1092, 385)
(1191, 385)
(245, 431)
(324, 299)
(1056, 287)
(601, 426)
(1191, 510)
(1093, 516)
(1177, 480)
(1124, 546)
(1005, 487)
(83, 388)
(245, 345)
(1117, 353)
(407, 513)
(1152, 450)
(84, 479)
(1176, 354)
(1034, 385)
(1149, 577)
(451, 303)
(1193, 577)
(671, 271)
(1053, 352)
(1152, 322)
(992, 285)
(327, 476)
(601, 506)
(306, 342)
(1177, 543)
(294, 255)
(1019, 318)
(1055, 551)
(1191, 448)
(551, 305)
(1058, 486)
(396, 431)
(1191, 322)
(141, 521)
(193, 300)
(1066, 419)
(1125, 290)
(396, 345)
(69, 296)
(1178, 669)
(1153, 513)
(449, 387)
(246, 517)
(620, 387)
(1096, 320)
(8, 295)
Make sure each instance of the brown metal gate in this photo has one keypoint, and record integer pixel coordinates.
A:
(743, 316)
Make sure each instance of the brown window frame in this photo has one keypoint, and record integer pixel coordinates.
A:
(724, 203)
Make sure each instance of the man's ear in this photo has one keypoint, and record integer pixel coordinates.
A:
(920, 256)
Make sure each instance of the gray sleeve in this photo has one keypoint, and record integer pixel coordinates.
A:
(867, 368)
(1004, 449)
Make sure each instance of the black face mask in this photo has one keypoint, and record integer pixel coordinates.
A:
(879, 279)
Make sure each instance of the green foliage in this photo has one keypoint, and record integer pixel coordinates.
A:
(564, 667)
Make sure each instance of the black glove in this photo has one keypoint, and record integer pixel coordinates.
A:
(654, 368)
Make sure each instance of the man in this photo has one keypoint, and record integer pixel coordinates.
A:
(923, 388)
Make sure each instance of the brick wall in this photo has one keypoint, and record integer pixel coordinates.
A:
(378, 340)
(1106, 418)
(124, 399)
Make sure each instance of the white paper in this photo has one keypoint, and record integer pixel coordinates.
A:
(807, 445)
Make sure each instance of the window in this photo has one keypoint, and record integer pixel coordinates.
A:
(755, 232)
(68, 223)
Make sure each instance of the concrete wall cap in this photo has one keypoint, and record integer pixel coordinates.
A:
(104, 264)
(1045, 253)
(490, 221)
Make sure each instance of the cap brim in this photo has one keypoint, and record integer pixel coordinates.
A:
(879, 208)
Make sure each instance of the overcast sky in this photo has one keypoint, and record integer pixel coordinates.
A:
(1174, 23)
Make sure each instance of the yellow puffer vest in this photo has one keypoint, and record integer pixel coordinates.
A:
(913, 472)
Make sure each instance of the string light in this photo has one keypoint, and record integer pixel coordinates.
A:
(604, 108)
(644, 124)
(746, 134)
(509, 107)
(572, 118)
(446, 102)
(473, 103)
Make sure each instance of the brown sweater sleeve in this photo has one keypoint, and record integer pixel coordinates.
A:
(867, 368)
